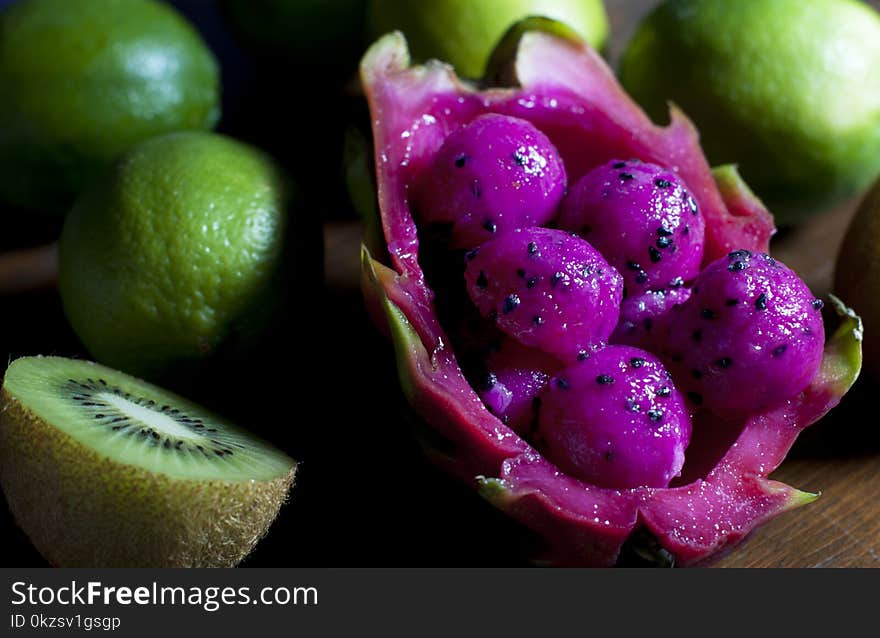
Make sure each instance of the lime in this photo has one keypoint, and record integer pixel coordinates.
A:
(175, 254)
(463, 32)
(83, 81)
(788, 89)
(857, 274)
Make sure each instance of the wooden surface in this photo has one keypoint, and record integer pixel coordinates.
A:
(839, 457)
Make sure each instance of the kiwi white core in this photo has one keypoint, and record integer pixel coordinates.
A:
(160, 422)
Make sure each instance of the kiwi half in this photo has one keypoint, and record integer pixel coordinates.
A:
(102, 469)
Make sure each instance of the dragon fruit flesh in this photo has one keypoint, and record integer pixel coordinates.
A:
(639, 314)
(547, 289)
(750, 336)
(641, 216)
(535, 441)
(515, 376)
(495, 174)
(615, 420)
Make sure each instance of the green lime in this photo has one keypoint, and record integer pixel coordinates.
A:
(857, 274)
(83, 81)
(463, 32)
(325, 34)
(175, 254)
(788, 89)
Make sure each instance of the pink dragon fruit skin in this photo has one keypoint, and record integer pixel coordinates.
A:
(750, 336)
(615, 420)
(547, 289)
(641, 216)
(640, 315)
(515, 376)
(493, 175)
(567, 91)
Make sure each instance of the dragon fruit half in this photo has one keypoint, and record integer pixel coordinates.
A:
(583, 417)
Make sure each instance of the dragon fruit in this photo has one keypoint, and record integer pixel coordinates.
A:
(515, 376)
(642, 217)
(564, 89)
(547, 289)
(615, 420)
(749, 337)
(495, 174)
(639, 314)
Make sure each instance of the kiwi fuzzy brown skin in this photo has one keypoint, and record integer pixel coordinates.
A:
(83, 509)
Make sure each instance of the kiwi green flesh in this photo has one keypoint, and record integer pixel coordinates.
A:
(136, 423)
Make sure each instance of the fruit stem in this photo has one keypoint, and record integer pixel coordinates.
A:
(28, 269)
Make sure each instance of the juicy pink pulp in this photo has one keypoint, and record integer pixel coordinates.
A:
(569, 95)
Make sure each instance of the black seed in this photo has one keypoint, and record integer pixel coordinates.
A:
(556, 278)
(116, 428)
(144, 432)
(678, 282)
(519, 158)
(490, 226)
(779, 350)
(166, 444)
(178, 445)
(476, 189)
(706, 313)
(664, 391)
(608, 455)
(218, 452)
(532, 248)
(637, 362)
(633, 265)
(695, 398)
(655, 415)
(618, 165)
(460, 161)
(154, 434)
(761, 302)
(562, 383)
(738, 255)
(664, 232)
(99, 416)
(482, 280)
(505, 419)
(510, 304)
(731, 302)
(663, 242)
(686, 231)
(521, 273)
(737, 266)
(692, 204)
(211, 430)
(489, 381)
(469, 255)
(724, 362)
(818, 304)
(696, 374)
(531, 283)
(662, 183)
(538, 320)
(642, 277)
(626, 177)
(697, 335)
(604, 379)
(631, 405)
(655, 254)
(583, 355)
(585, 229)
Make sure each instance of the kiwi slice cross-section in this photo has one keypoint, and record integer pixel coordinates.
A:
(102, 469)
